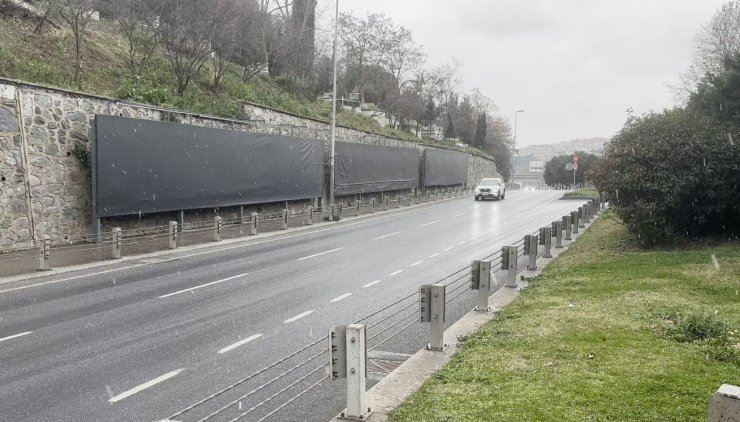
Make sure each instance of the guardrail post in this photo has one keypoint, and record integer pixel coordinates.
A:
(558, 228)
(217, 229)
(387, 203)
(480, 279)
(586, 214)
(240, 215)
(44, 254)
(581, 217)
(546, 240)
(356, 344)
(530, 248)
(372, 205)
(509, 264)
(255, 223)
(117, 241)
(285, 219)
(173, 235)
(310, 216)
(437, 295)
(567, 226)
(574, 217)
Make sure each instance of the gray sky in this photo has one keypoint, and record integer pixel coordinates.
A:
(574, 66)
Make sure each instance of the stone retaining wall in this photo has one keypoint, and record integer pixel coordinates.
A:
(46, 187)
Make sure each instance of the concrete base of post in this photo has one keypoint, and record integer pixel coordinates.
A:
(724, 405)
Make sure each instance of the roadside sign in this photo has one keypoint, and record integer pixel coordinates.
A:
(569, 167)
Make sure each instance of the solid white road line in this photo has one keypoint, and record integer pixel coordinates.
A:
(338, 298)
(299, 316)
(416, 263)
(396, 272)
(144, 386)
(16, 336)
(319, 254)
(201, 286)
(458, 215)
(239, 343)
(371, 284)
(69, 278)
(386, 235)
(448, 249)
(434, 256)
(430, 223)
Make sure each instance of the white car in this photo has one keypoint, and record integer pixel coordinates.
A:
(490, 188)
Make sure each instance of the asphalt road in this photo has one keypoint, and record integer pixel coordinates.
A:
(140, 341)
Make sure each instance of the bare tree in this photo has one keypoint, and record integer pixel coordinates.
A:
(77, 14)
(187, 30)
(718, 39)
(225, 37)
(399, 54)
(47, 11)
(139, 22)
(362, 42)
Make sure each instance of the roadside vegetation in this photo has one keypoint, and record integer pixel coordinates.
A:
(608, 332)
(582, 193)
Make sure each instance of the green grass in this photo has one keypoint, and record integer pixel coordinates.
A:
(583, 192)
(609, 332)
(48, 59)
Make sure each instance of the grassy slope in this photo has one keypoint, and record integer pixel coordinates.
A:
(49, 59)
(603, 357)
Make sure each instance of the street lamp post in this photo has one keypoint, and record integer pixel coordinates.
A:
(516, 115)
(333, 109)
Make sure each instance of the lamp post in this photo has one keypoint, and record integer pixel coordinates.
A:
(333, 108)
(516, 115)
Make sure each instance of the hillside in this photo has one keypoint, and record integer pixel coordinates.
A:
(48, 58)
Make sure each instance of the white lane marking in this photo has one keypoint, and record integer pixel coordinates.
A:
(299, 316)
(201, 286)
(319, 254)
(395, 272)
(16, 336)
(448, 249)
(386, 235)
(430, 223)
(69, 278)
(338, 298)
(458, 215)
(371, 284)
(144, 386)
(462, 243)
(239, 343)
(416, 263)
(434, 256)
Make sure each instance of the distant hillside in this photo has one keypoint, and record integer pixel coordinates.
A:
(48, 58)
(547, 151)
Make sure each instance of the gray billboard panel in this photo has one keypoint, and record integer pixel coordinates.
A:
(364, 168)
(144, 166)
(445, 168)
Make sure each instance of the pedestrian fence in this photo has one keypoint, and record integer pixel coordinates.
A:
(340, 358)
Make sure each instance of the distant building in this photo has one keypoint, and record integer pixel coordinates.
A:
(528, 171)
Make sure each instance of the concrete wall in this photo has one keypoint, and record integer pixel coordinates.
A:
(46, 189)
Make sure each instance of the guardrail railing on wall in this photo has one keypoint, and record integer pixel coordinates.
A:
(343, 353)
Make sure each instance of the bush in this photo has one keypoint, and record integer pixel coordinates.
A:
(712, 335)
(673, 174)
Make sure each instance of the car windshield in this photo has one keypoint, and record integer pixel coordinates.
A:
(490, 182)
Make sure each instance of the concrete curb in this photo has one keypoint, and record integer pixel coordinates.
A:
(397, 386)
(241, 241)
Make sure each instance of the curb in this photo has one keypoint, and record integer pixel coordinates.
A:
(396, 387)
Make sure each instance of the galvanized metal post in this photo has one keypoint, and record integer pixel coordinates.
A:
(581, 217)
(481, 276)
(255, 223)
(574, 217)
(546, 240)
(438, 317)
(509, 264)
(568, 227)
(372, 205)
(357, 403)
(358, 205)
(44, 254)
(310, 216)
(240, 215)
(180, 221)
(387, 203)
(532, 249)
(217, 229)
(117, 243)
(173, 235)
(586, 214)
(558, 234)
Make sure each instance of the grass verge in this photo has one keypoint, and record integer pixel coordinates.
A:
(609, 332)
(583, 192)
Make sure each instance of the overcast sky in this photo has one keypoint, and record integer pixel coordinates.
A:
(574, 66)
